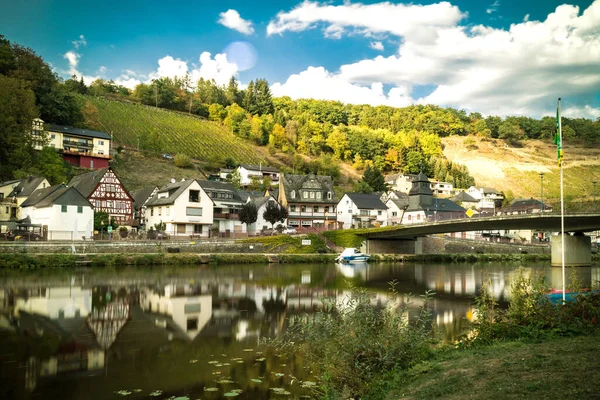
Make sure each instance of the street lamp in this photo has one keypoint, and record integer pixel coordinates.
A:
(101, 228)
(542, 191)
(594, 195)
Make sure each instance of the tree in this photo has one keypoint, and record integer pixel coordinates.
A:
(182, 161)
(263, 101)
(217, 112)
(363, 187)
(17, 111)
(236, 179)
(374, 179)
(232, 92)
(274, 213)
(248, 213)
(75, 85)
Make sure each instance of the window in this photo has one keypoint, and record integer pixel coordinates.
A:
(181, 228)
(159, 211)
(394, 213)
(364, 212)
(292, 208)
(379, 212)
(192, 324)
(101, 142)
(316, 209)
(326, 209)
(194, 196)
(312, 195)
(1, 196)
(303, 209)
(79, 209)
(7, 209)
(418, 216)
(305, 195)
(193, 211)
(191, 308)
(167, 210)
(293, 194)
(328, 195)
(409, 217)
(152, 212)
(53, 136)
(63, 208)
(197, 228)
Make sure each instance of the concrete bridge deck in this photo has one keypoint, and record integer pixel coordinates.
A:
(547, 222)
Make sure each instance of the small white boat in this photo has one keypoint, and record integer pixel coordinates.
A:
(352, 255)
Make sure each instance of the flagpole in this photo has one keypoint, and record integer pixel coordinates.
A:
(562, 203)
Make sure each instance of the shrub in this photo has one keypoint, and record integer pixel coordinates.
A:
(351, 342)
(123, 232)
(182, 161)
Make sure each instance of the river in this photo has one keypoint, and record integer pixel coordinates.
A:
(197, 332)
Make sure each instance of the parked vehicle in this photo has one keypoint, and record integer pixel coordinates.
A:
(290, 230)
(167, 156)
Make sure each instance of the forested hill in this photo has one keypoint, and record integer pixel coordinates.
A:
(226, 124)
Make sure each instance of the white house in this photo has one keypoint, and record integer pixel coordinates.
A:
(64, 212)
(396, 208)
(400, 182)
(184, 207)
(259, 172)
(357, 210)
(227, 203)
(442, 188)
(489, 199)
(423, 207)
(261, 223)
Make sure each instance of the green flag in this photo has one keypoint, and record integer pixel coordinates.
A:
(558, 136)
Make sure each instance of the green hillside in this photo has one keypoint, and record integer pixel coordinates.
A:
(158, 130)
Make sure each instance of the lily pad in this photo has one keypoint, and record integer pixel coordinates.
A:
(213, 362)
(308, 384)
(248, 350)
(256, 380)
(231, 394)
(237, 390)
(240, 362)
(225, 381)
(193, 361)
(181, 398)
(137, 390)
(123, 392)
(156, 393)
(260, 359)
(279, 374)
(211, 389)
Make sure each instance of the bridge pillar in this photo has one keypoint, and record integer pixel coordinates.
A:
(393, 246)
(578, 250)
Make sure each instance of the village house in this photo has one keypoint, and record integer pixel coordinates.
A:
(140, 198)
(440, 188)
(400, 182)
(396, 206)
(489, 199)
(81, 147)
(309, 199)
(227, 203)
(184, 207)
(360, 210)
(261, 223)
(465, 200)
(248, 173)
(63, 212)
(106, 192)
(12, 194)
(423, 207)
(525, 206)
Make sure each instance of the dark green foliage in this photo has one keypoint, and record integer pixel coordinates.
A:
(248, 213)
(274, 213)
(374, 178)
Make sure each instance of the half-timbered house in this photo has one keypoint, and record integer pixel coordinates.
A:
(106, 192)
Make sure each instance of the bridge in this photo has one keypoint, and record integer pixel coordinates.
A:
(577, 246)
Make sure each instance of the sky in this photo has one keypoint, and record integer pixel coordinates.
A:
(497, 57)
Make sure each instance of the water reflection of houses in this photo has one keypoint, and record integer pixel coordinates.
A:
(188, 306)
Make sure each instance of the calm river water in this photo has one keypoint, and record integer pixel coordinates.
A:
(196, 332)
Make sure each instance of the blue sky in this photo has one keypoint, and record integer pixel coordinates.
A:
(494, 56)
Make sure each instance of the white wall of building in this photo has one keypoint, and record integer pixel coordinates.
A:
(63, 302)
(69, 225)
(350, 214)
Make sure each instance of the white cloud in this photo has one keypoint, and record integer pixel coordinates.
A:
(79, 42)
(217, 68)
(102, 70)
(318, 83)
(127, 81)
(586, 111)
(376, 46)
(494, 7)
(519, 70)
(526, 18)
(73, 59)
(232, 20)
(407, 20)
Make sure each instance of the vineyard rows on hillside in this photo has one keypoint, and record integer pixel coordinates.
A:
(162, 131)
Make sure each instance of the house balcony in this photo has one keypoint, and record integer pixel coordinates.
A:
(226, 216)
(86, 153)
(76, 143)
(308, 214)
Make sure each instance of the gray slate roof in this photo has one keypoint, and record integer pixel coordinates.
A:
(445, 205)
(215, 186)
(400, 203)
(57, 194)
(311, 181)
(259, 168)
(260, 201)
(140, 196)
(367, 201)
(86, 183)
(26, 187)
(77, 131)
(174, 189)
(464, 197)
(250, 194)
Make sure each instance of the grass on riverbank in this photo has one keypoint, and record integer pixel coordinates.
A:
(285, 244)
(564, 368)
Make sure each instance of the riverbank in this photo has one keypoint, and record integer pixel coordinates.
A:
(33, 261)
(565, 368)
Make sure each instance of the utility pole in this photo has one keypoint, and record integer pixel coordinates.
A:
(594, 182)
(542, 191)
